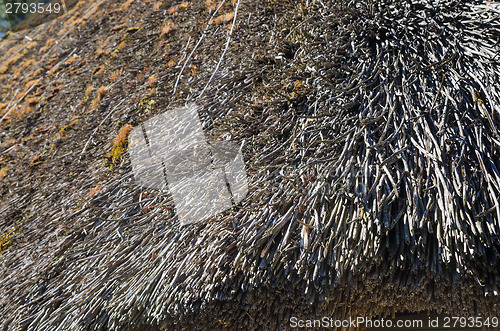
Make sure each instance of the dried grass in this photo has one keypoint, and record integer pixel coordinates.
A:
(372, 149)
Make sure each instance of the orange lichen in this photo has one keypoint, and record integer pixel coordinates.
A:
(32, 101)
(148, 209)
(21, 110)
(120, 46)
(141, 75)
(115, 74)
(173, 9)
(126, 4)
(194, 69)
(3, 171)
(118, 27)
(97, 70)
(37, 72)
(100, 93)
(31, 83)
(100, 51)
(167, 28)
(13, 50)
(102, 47)
(114, 157)
(21, 68)
(42, 129)
(52, 71)
(60, 133)
(211, 6)
(152, 79)
(95, 190)
(222, 18)
(72, 59)
(4, 105)
(55, 90)
(4, 68)
(36, 160)
(26, 139)
(31, 44)
(88, 90)
(9, 143)
(75, 18)
(12, 60)
(48, 45)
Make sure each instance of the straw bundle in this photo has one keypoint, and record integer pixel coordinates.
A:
(372, 149)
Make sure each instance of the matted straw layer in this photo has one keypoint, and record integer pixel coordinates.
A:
(372, 149)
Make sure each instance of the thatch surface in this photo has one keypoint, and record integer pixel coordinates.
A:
(371, 145)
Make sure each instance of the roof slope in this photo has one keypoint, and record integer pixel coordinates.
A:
(371, 146)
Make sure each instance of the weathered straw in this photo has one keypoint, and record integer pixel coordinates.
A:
(372, 150)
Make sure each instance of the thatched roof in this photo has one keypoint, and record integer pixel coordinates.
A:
(371, 147)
